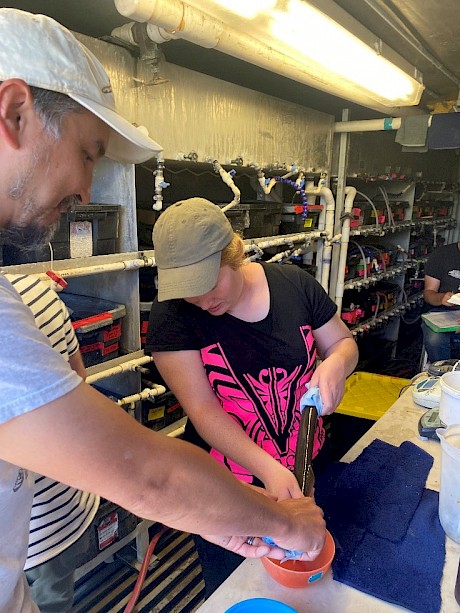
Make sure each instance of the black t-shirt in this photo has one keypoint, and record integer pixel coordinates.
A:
(444, 264)
(258, 371)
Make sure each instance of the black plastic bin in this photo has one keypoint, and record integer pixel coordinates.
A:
(98, 326)
(264, 219)
(98, 222)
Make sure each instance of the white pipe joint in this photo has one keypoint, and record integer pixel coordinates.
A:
(160, 184)
(130, 366)
(125, 33)
(155, 33)
(146, 393)
(147, 10)
(175, 17)
(159, 35)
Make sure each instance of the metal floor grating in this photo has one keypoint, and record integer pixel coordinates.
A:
(174, 586)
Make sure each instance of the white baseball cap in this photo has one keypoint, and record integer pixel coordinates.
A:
(43, 53)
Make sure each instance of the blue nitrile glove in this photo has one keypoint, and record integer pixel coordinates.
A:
(289, 554)
(311, 396)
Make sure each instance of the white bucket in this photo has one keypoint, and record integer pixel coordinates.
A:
(449, 489)
(449, 406)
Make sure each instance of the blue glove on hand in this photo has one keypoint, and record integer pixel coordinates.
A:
(312, 396)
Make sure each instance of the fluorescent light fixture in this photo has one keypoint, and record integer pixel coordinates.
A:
(335, 54)
(246, 8)
(293, 39)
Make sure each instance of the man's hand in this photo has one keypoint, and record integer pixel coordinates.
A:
(307, 533)
(445, 299)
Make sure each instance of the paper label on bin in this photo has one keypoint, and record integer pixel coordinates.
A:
(81, 239)
(156, 413)
(107, 531)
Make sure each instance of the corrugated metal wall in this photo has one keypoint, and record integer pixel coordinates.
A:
(192, 111)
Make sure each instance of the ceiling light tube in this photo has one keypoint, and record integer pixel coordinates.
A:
(339, 57)
(247, 8)
(284, 50)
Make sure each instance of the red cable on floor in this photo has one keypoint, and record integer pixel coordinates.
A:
(143, 571)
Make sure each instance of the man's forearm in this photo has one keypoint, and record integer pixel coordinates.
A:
(436, 298)
(95, 446)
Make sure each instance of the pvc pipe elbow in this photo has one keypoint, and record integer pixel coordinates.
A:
(148, 10)
(125, 33)
(159, 35)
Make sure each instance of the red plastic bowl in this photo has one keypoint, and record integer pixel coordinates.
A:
(294, 573)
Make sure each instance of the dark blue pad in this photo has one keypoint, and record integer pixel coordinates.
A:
(389, 541)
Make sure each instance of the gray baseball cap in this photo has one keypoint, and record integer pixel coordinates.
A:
(43, 53)
(188, 239)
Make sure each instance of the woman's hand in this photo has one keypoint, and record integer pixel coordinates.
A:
(331, 382)
(339, 352)
(281, 483)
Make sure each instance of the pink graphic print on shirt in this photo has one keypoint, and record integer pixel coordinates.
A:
(266, 407)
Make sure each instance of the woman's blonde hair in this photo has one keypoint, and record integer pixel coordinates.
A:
(233, 253)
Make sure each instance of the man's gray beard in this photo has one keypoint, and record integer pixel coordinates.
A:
(33, 236)
(30, 237)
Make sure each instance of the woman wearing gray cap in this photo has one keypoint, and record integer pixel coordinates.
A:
(237, 342)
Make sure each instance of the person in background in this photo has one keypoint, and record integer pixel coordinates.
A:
(61, 514)
(442, 280)
(237, 343)
(57, 120)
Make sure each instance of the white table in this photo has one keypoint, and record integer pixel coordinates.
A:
(250, 580)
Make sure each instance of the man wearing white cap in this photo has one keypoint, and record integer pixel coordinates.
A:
(57, 119)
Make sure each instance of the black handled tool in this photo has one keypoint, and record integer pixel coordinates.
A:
(303, 470)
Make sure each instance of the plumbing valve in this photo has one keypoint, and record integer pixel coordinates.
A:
(58, 283)
(192, 156)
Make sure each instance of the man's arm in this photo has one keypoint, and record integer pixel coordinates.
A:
(87, 441)
(433, 296)
(76, 363)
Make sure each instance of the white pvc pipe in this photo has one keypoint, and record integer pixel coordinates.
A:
(368, 125)
(179, 431)
(327, 249)
(266, 187)
(125, 33)
(156, 34)
(228, 180)
(289, 253)
(283, 240)
(148, 392)
(320, 245)
(99, 268)
(371, 125)
(128, 366)
(350, 193)
(157, 204)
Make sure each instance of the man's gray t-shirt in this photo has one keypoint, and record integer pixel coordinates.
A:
(32, 374)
